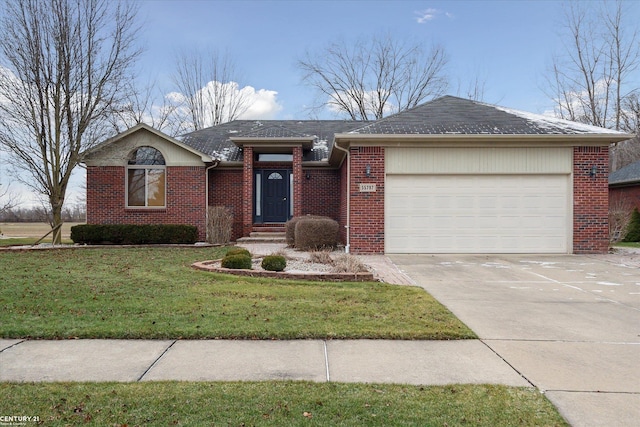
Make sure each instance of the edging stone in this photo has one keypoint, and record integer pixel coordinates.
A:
(326, 277)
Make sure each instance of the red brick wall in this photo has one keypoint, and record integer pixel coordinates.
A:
(590, 200)
(247, 192)
(185, 199)
(225, 189)
(367, 209)
(628, 195)
(320, 193)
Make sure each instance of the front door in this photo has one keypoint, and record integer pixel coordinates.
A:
(275, 202)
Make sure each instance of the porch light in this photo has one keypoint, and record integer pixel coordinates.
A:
(367, 171)
(594, 171)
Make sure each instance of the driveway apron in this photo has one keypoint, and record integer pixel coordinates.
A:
(569, 324)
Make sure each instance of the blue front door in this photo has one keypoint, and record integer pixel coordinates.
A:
(275, 195)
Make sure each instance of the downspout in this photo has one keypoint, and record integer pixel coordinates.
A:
(348, 226)
(206, 195)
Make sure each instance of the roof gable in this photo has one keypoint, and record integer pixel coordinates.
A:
(114, 151)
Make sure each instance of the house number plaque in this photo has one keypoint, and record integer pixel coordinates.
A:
(367, 188)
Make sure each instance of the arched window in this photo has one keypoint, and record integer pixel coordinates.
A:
(146, 178)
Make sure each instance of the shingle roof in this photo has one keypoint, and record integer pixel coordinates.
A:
(452, 115)
(215, 141)
(448, 115)
(626, 175)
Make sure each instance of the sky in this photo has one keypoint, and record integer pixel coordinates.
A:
(508, 45)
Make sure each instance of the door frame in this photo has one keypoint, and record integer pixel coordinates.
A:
(259, 182)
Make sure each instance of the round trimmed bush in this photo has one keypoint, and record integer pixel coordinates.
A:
(274, 263)
(238, 261)
(238, 251)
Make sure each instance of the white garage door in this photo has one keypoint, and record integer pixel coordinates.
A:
(482, 212)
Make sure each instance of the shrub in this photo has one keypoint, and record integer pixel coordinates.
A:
(348, 264)
(238, 261)
(274, 263)
(290, 228)
(219, 224)
(320, 257)
(633, 230)
(238, 251)
(130, 234)
(316, 233)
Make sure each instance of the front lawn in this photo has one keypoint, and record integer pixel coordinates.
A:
(277, 404)
(153, 293)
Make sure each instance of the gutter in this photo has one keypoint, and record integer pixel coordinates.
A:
(206, 195)
(348, 226)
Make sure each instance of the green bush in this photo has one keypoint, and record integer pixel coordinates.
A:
(238, 261)
(274, 263)
(131, 234)
(238, 251)
(633, 229)
(316, 233)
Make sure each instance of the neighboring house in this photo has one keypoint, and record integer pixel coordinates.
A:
(448, 176)
(624, 186)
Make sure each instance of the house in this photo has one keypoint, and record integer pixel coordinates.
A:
(448, 176)
(624, 186)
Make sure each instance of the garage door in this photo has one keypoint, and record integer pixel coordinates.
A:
(492, 210)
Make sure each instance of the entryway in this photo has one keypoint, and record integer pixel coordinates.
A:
(272, 196)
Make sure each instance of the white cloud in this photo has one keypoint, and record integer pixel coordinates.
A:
(263, 104)
(424, 16)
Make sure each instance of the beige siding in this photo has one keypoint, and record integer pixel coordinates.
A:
(535, 160)
(116, 154)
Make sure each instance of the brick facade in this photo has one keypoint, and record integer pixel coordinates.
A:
(590, 200)
(629, 195)
(185, 198)
(367, 208)
(225, 189)
(323, 191)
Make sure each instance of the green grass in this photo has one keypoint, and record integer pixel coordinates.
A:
(628, 244)
(277, 404)
(153, 293)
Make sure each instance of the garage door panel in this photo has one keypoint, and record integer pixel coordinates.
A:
(477, 214)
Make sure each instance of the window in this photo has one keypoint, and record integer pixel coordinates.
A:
(146, 182)
(275, 157)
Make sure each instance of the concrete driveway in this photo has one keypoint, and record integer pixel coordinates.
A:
(569, 324)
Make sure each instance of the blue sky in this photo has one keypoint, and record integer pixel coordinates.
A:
(508, 44)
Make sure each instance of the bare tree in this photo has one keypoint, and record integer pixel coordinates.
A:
(8, 199)
(375, 77)
(140, 107)
(208, 95)
(64, 66)
(592, 79)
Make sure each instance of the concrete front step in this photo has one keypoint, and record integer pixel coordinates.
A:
(264, 237)
(261, 240)
(267, 234)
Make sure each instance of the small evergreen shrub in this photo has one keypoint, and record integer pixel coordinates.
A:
(633, 230)
(238, 261)
(238, 251)
(274, 263)
(316, 233)
(290, 228)
(131, 234)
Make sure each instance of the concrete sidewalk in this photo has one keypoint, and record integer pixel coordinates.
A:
(371, 361)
